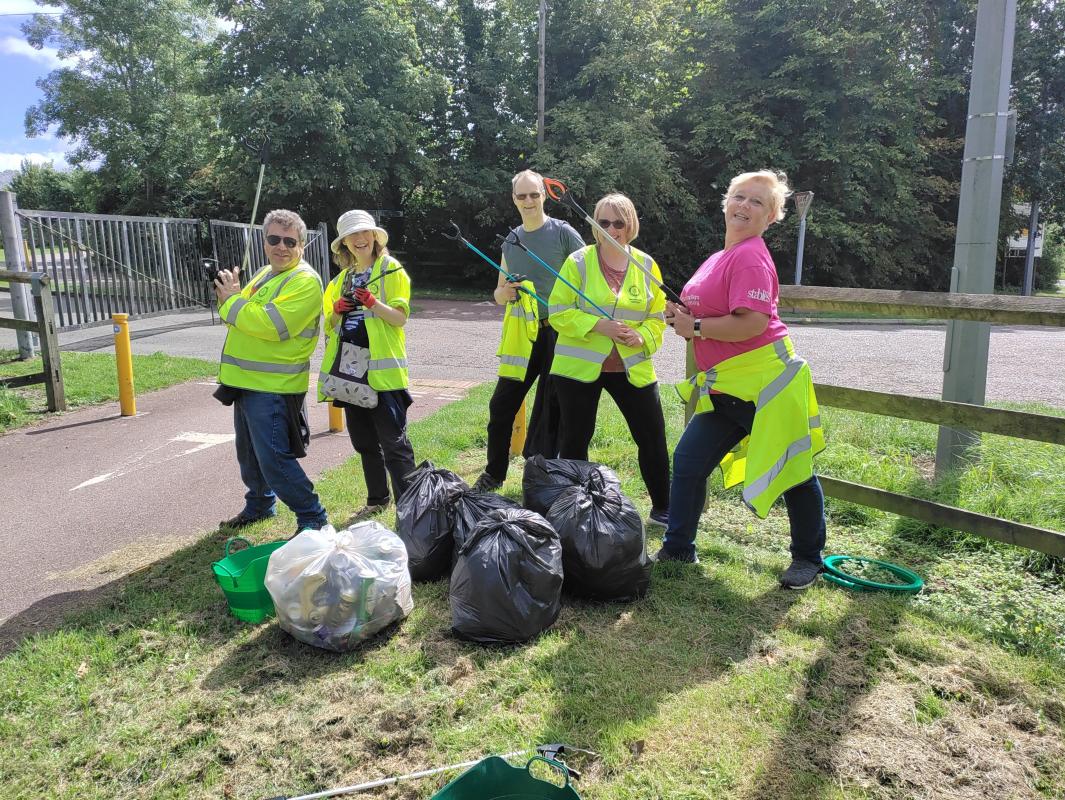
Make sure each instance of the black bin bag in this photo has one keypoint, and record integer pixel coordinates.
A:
(506, 586)
(546, 478)
(423, 520)
(604, 548)
(467, 511)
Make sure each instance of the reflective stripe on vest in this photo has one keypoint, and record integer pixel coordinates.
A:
(266, 366)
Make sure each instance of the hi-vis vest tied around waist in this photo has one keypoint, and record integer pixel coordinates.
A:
(272, 329)
(640, 304)
(521, 326)
(388, 343)
(786, 434)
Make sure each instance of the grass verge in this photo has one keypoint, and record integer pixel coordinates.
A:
(89, 378)
(718, 684)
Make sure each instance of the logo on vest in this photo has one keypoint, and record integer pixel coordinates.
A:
(634, 291)
(759, 294)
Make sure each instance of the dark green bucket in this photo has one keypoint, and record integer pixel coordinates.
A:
(242, 576)
(494, 779)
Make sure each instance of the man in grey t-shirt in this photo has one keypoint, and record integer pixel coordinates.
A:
(552, 240)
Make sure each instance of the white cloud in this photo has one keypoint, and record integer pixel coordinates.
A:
(14, 160)
(12, 45)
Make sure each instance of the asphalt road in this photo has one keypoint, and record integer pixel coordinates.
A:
(91, 495)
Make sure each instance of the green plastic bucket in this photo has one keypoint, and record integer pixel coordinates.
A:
(242, 576)
(494, 779)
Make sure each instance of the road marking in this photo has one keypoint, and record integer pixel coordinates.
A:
(202, 441)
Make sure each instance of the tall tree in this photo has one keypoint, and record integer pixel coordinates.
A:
(132, 102)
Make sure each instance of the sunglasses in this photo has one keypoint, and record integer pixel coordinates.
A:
(530, 195)
(274, 241)
(606, 223)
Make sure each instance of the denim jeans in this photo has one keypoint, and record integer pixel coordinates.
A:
(268, 466)
(706, 440)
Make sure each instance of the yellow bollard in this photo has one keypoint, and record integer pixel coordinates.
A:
(336, 418)
(124, 364)
(517, 436)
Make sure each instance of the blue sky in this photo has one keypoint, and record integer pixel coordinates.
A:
(20, 68)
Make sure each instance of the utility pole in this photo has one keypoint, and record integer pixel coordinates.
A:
(803, 200)
(541, 47)
(965, 354)
(1029, 253)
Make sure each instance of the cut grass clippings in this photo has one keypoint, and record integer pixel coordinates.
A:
(717, 685)
(89, 378)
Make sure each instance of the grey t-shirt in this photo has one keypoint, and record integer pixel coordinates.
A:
(552, 241)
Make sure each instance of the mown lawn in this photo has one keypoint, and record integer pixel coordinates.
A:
(89, 378)
(717, 685)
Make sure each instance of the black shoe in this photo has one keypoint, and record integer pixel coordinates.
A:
(486, 483)
(669, 555)
(658, 518)
(800, 574)
(241, 521)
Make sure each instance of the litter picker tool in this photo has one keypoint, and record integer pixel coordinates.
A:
(558, 192)
(513, 239)
(455, 235)
(263, 153)
(554, 752)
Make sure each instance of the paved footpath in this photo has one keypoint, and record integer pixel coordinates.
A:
(90, 495)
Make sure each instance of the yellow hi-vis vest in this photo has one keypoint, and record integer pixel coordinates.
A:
(271, 331)
(388, 343)
(786, 434)
(640, 304)
(521, 325)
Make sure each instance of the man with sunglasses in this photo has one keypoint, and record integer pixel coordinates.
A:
(272, 329)
(552, 240)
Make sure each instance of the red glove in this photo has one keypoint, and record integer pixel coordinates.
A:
(365, 296)
(343, 305)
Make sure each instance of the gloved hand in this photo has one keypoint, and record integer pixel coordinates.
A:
(343, 305)
(365, 296)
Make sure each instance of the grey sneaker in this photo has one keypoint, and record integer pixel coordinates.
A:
(669, 555)
(658, 518)
(364, 513)
(486, 483)
(800, 574)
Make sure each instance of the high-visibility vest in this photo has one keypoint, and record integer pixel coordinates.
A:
(521, 325)
(271, 331)
(786, 434)
(388, 343)
(640, 304)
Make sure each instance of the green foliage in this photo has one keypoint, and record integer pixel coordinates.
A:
(43, 186)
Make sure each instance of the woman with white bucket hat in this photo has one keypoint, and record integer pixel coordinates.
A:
(364, 370)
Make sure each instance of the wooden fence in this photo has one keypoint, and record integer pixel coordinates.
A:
(996, 309)
(44, 326)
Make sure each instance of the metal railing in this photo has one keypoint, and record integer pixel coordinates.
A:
(101, 264)
(228, 240)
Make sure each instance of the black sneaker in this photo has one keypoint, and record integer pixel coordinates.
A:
(366, 512)
(658, 518)
(800, 574)
(486, 483)
(668, 555)
(241, 521)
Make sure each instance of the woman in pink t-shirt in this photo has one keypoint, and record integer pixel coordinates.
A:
(730, 308)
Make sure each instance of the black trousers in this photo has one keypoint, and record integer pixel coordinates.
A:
(542, 436)
(642, 411)
(379, 436)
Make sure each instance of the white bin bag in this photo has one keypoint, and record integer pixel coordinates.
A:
(334, 589)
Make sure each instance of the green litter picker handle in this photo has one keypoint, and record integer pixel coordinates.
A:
(557, 765)
(913, 582)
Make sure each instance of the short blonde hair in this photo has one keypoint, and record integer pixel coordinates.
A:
(345, 259)
(779, 192)
(527, 173)
(623, 207)
(289, 220)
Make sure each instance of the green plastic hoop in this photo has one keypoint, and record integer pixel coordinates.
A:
(913, 582)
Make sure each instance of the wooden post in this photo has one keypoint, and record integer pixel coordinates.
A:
(53, 368)
(13, 254)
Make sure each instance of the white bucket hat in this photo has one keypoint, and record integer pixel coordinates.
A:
(353, 222)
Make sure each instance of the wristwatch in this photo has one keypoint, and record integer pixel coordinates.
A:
(698, 329)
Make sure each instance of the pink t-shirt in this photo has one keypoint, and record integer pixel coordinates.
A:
(743, 277)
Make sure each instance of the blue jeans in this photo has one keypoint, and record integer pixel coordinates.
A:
(706, 440)
(268, 466)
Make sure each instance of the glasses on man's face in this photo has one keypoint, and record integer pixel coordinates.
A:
(273, 240)
(606, 223)
(528, 195)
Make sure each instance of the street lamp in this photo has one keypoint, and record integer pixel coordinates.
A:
(803, 200)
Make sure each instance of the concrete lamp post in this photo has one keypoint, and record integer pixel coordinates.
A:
(803, 201)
